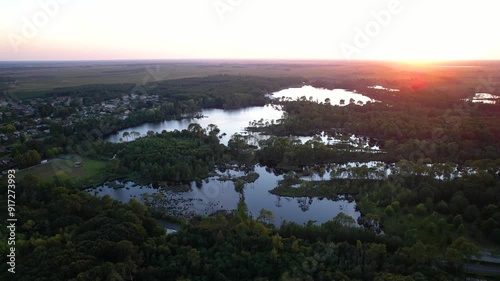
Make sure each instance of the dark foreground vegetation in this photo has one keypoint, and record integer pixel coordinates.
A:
(66, 234)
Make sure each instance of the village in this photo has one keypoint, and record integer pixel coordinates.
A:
(33, 118)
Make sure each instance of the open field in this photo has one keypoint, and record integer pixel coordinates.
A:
(91, 171)
(33, 79)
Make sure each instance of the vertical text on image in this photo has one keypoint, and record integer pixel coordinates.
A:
(11, 220)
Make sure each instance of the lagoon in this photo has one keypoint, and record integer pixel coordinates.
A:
(235, 121)
(217, 195)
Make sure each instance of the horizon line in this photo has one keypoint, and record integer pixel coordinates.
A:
(254, 60)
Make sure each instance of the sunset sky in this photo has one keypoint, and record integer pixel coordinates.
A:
(249, 29)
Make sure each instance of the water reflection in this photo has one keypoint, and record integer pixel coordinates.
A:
(215, 195)
(338, 97)
(484, 98)
(235, 121)
(229, 122)
(378, 87)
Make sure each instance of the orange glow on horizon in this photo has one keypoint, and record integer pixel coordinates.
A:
(419, 33)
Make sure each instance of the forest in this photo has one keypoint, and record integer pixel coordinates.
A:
(406, 130)
(71, 235)
(174, 156)
(225, 91)
(426, 220)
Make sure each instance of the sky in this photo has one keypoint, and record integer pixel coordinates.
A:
(404, 30)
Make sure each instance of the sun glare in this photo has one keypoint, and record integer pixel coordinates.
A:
(408, 31)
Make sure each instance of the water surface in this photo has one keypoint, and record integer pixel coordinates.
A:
(338, 97)
(215, 195)
(235, 121)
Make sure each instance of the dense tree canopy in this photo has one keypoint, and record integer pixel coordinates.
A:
(174, 156)
(69, 235)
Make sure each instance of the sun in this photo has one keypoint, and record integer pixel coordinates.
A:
(420, 62)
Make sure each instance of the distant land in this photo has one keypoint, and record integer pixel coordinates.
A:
(34, 78)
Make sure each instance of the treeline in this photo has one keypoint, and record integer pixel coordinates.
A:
(92, 94)
(217, 91)
(436, 92)
(288, 154)
(224, 91)
(405, 130)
